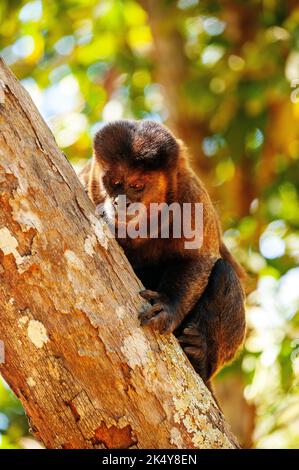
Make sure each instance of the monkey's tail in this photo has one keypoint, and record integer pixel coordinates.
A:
(226, 254)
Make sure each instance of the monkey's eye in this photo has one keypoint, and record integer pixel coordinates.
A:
(137, 186)
(115, 183)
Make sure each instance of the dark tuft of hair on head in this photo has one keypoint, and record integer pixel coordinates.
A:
(146, 143)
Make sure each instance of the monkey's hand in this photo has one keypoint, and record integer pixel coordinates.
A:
(194, 343)
(162, 315)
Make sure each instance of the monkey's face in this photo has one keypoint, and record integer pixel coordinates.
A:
(137, 161)
(130, 192)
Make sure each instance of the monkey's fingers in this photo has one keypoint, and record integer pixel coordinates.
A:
(194, 352)
(167, 329)
(194, 344)
(189, 340)
(149, 295)
(145, 317)
(191, 330)
(158, 318)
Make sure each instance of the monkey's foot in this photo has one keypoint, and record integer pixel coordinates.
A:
(194, 345)
(160, 315)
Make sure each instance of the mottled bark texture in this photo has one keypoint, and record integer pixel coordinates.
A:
(87, 374)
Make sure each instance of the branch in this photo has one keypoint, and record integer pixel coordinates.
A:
(88, 376)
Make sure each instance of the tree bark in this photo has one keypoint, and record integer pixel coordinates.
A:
(87, 374)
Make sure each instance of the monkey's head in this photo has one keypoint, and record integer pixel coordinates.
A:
(137, 159)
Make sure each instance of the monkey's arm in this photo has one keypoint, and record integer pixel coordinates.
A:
(182, 284)
(185, 279)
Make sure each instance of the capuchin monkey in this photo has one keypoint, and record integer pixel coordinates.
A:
(194, 289)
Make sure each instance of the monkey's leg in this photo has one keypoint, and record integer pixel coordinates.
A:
(213, 331)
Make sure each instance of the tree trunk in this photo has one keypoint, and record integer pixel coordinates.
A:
(87, 374)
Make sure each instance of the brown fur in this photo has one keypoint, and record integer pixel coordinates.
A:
(195, 293)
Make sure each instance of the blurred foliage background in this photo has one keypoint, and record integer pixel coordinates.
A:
(224, 75)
